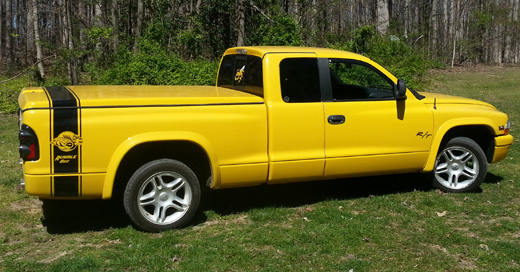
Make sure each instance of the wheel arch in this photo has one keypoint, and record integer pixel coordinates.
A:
(192, 149)
(480, 130)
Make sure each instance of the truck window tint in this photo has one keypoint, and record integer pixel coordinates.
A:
(253, 78)
(299, 80)
(225, 74)
(243, 73)
(354, 81)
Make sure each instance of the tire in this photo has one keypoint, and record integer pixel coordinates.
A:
(161, 195)
(460, 166)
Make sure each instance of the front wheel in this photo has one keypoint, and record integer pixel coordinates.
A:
(162, 194)
(461, 166)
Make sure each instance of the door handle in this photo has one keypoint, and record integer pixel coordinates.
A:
(336, 119)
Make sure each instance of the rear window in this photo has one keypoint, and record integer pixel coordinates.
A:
(243, 73)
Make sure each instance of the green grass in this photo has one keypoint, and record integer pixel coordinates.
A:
(389, 223)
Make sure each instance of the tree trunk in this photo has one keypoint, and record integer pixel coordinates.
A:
(8, 30)
(454, 26)
(98, 21)
(241, 28)
(382, 15)
(139, 26)
(516, 37)
(29, 40)
(67, 38)
(37, 43)
(1, 30)
(83, 25)
(115, 25)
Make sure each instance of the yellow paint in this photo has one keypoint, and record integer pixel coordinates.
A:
(251, 140)
(402, 130)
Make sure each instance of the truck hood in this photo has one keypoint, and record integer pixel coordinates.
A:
(132, 96)
(431, 98)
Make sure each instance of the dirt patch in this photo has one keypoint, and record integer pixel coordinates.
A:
(464, 262)
(241, 220)
(30, 206)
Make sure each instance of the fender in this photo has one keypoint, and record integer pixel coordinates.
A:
(136, 140)
(447, 126)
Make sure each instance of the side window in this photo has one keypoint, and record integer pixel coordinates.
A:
(352, 80)
(243, 73)
(299, 80)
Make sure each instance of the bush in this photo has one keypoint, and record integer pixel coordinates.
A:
(8, 100)
(9, 92)
(393, 53)
(282, 31)
(154, 66)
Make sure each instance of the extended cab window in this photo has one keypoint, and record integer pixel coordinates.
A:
(353, 80)
(299, 80)
(243, 73)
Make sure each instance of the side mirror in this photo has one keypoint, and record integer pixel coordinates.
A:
(400, 89)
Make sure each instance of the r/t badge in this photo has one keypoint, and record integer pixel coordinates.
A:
(424, 135)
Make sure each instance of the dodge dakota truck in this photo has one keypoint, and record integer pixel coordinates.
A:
(276, 115)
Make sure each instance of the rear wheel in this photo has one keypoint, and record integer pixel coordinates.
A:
(461, 166)
(162, 194)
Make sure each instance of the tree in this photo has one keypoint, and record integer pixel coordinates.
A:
(8, 31)
(90, 32)
(39, 56)
(383, 16)
(139, 25)
(1, 29)
(115, 24)
(241, 28)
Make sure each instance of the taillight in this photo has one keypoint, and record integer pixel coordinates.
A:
(29, 149)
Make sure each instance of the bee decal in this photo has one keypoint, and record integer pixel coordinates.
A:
(240, 74)
(67, 141)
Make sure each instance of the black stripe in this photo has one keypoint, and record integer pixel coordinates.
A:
(61, 97)
(65, 118)
(66, 186)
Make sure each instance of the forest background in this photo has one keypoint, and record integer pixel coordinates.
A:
(179, 42)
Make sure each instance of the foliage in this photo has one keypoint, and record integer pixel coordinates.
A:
(152, 65)
(8, 100)
(96, 33)
(9, 93)
(10, 90)
(364, 39)
(283, 30)
(191, 41)
(393, 53)
(213, 16)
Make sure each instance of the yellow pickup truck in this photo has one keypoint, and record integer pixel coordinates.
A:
(276, 115)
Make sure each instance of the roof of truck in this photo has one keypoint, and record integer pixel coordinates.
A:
(263, 50)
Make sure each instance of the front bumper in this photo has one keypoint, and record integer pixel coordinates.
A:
(502, 145)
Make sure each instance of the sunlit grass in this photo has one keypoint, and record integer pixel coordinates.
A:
(390, 223)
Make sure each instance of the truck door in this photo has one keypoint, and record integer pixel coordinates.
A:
(368, 131)
(295, 117)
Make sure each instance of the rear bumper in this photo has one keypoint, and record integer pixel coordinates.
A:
(502, 145)
(85, 186)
